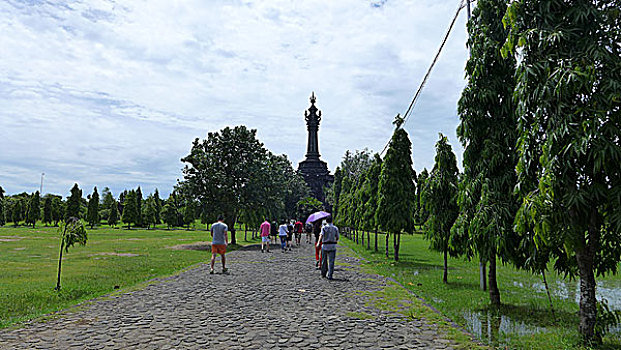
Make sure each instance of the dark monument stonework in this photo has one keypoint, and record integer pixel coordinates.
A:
(314, 170)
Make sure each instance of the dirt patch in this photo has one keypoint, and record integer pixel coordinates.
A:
(20, 248)
(115, 254)
(9, 240)
(193, 246)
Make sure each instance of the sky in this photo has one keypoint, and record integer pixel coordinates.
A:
(112, 93)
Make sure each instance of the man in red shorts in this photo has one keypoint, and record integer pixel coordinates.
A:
(219, 232)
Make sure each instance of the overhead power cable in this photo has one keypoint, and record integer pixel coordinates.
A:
(408, 112)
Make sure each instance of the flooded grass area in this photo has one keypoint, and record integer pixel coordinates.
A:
(524, 321)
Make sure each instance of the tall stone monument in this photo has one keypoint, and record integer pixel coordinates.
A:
(314, 170)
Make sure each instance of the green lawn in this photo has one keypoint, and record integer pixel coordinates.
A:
(112, 258)
(523, 322)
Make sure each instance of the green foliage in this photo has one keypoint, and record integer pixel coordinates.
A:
(71, 231)
(92, 216)
(170, 214)
(228, 172)
(421, 211)
(113, 217)
(157, 206)
(307, 206)
(108, 202)
(333, 192)
(396, 190)
(440, 197)
(16, 212)
(139, 201)
(47, 210)
(2, 211)
(369, 189)
(569, 122)
(33, 212)
(74, 202)
(487, 131)
(150, 210)
(130, 209)
(58, 209)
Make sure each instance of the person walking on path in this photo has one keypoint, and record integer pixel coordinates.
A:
(298, 227)
(309, 232)
(289, 235)
(219, 233)
(328, 237)
(317, 231)
(283, 231)
(265, 235)
(274, 231)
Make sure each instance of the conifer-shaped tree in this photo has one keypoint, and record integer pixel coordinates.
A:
(149, 212)
(421, 211)
(92, 215)
(47, 210)
(370, 186)
(130, 214)
(58, 209)
(33, 213)
(440, 198)
(139, 201)
(157, 201)
(488, 133)
(2, 211)
(16, 212)
(74, 201)
(113, 217)
(396, 190)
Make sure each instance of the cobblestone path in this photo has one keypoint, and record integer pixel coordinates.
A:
(269, 301)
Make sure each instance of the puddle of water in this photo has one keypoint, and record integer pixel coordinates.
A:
(496, 329)
(608, 289)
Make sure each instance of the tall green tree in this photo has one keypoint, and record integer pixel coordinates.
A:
(33, 213)
(130, 209)
(74, 202)
(149, 212)
(569, 122)
(139, 201)
(113, 217)
(2, 207)
(396, 189)
(107, 202)
(370, 187)
(440, 198)
(487, 131)
(47, 210)
(421, 210)
(157, 201)
(225, 172)
(58, 209)
(92, 216)
(16, 212)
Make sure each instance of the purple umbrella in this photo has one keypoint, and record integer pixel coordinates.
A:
(317, 216)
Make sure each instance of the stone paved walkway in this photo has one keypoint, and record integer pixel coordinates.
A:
(269, 301)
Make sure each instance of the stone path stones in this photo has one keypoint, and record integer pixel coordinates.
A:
(269, 301)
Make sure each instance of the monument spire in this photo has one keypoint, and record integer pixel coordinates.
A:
(313, 117)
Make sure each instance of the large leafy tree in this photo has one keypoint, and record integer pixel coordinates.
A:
(440, 198)
(396, 189)
(33, 213)
(487, 131)
(225, 172)
(74, 202)
(569, 170)
(58, 209)
(92, 215)
(47, 210)
(107, 203)
(16, 212)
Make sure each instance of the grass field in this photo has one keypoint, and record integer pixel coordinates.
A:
(523, 322)
(112, 258)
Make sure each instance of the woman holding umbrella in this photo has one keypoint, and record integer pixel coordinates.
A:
(315, 219)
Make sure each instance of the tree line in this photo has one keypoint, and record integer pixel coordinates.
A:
(540, 119)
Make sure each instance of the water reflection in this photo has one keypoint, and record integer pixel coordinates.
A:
(495, 328)
(609, 290)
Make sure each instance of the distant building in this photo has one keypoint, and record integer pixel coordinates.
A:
(314, 170)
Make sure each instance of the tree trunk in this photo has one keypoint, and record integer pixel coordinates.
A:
(545, 283)
(445, 276)
(376, 240)
(395, 244)
(245, 232)
(482, 276)
(387, 234)
(494, 293)
(60, 260)
(362, 237)
(585, 259)
(368, 240)
(356, 235)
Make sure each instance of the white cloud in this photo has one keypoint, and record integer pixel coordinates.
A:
(112, 93)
